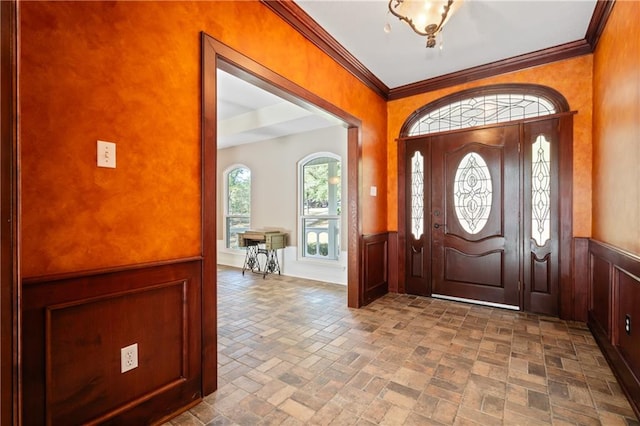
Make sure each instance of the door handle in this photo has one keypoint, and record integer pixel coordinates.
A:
(438, 225)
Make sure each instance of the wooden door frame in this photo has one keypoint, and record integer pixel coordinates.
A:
(216, 55)
(9, 230)
(567, 308)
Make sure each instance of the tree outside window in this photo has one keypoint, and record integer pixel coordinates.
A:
(320, 206)
(238, 208)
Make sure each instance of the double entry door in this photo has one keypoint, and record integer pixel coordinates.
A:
(482, 216)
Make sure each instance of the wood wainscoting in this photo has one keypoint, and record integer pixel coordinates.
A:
(74, 327)
(614, 313)
(579, 293)
(375, 261)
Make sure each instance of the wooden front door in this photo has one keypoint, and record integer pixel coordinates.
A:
(475, 195)
(477, 203)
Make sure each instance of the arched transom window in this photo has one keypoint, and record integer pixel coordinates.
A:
(490, 105)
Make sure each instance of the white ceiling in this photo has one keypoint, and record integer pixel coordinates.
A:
(480, 32)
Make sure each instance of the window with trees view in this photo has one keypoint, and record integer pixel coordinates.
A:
(238, 204)
(320, 186)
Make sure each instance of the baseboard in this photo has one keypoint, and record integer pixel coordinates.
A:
(291, 265)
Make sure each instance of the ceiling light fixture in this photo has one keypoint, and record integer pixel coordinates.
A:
(425, 17)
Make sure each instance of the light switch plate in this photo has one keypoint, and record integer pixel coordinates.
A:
(106, 154)
(374, 191)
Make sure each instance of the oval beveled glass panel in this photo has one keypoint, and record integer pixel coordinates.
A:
(472, 193)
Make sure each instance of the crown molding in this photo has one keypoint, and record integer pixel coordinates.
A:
(311, 30)
(305, 25)
(598, 21)
(544, 56)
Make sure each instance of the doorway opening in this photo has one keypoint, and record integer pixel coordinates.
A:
(262, 140)
(215, 56)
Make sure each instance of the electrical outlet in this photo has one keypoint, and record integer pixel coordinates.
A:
(129, 358)
(627, 323)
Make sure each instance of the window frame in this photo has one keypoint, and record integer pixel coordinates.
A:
(337, 218)
(225, 213)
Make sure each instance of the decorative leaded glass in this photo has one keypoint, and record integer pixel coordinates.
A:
(541, 190)
(481, 111)
(417, 195)
(472, 193)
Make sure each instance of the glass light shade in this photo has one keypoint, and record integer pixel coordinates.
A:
(425, 17)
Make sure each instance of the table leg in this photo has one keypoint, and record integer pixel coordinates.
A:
(251, 261)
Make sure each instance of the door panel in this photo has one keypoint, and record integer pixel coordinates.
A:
(418, 241)
(540, 215)
(475, 190)
(484, 269)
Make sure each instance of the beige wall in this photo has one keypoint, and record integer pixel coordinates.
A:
(616, 130)
(274, 183)
(130, 72)
(274, 198)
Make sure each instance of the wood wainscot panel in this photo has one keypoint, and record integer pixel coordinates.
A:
(627, 318)
(74, 328)
(580, 279)
(375, 266)
(394, 266)
(600, 293)
(617, 302)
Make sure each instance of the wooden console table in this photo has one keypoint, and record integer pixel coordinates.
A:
(262, 242)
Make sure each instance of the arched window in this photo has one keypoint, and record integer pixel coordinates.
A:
(320, 206)
(484, 106)
(237, 203)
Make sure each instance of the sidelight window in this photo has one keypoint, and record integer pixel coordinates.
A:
(417, 195)
(541, 190)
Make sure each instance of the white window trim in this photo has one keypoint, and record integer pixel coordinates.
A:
(225, 203)
(300, 198)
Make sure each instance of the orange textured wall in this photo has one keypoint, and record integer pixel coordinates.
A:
(616, 130)
(570, 77)
(129, 72)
